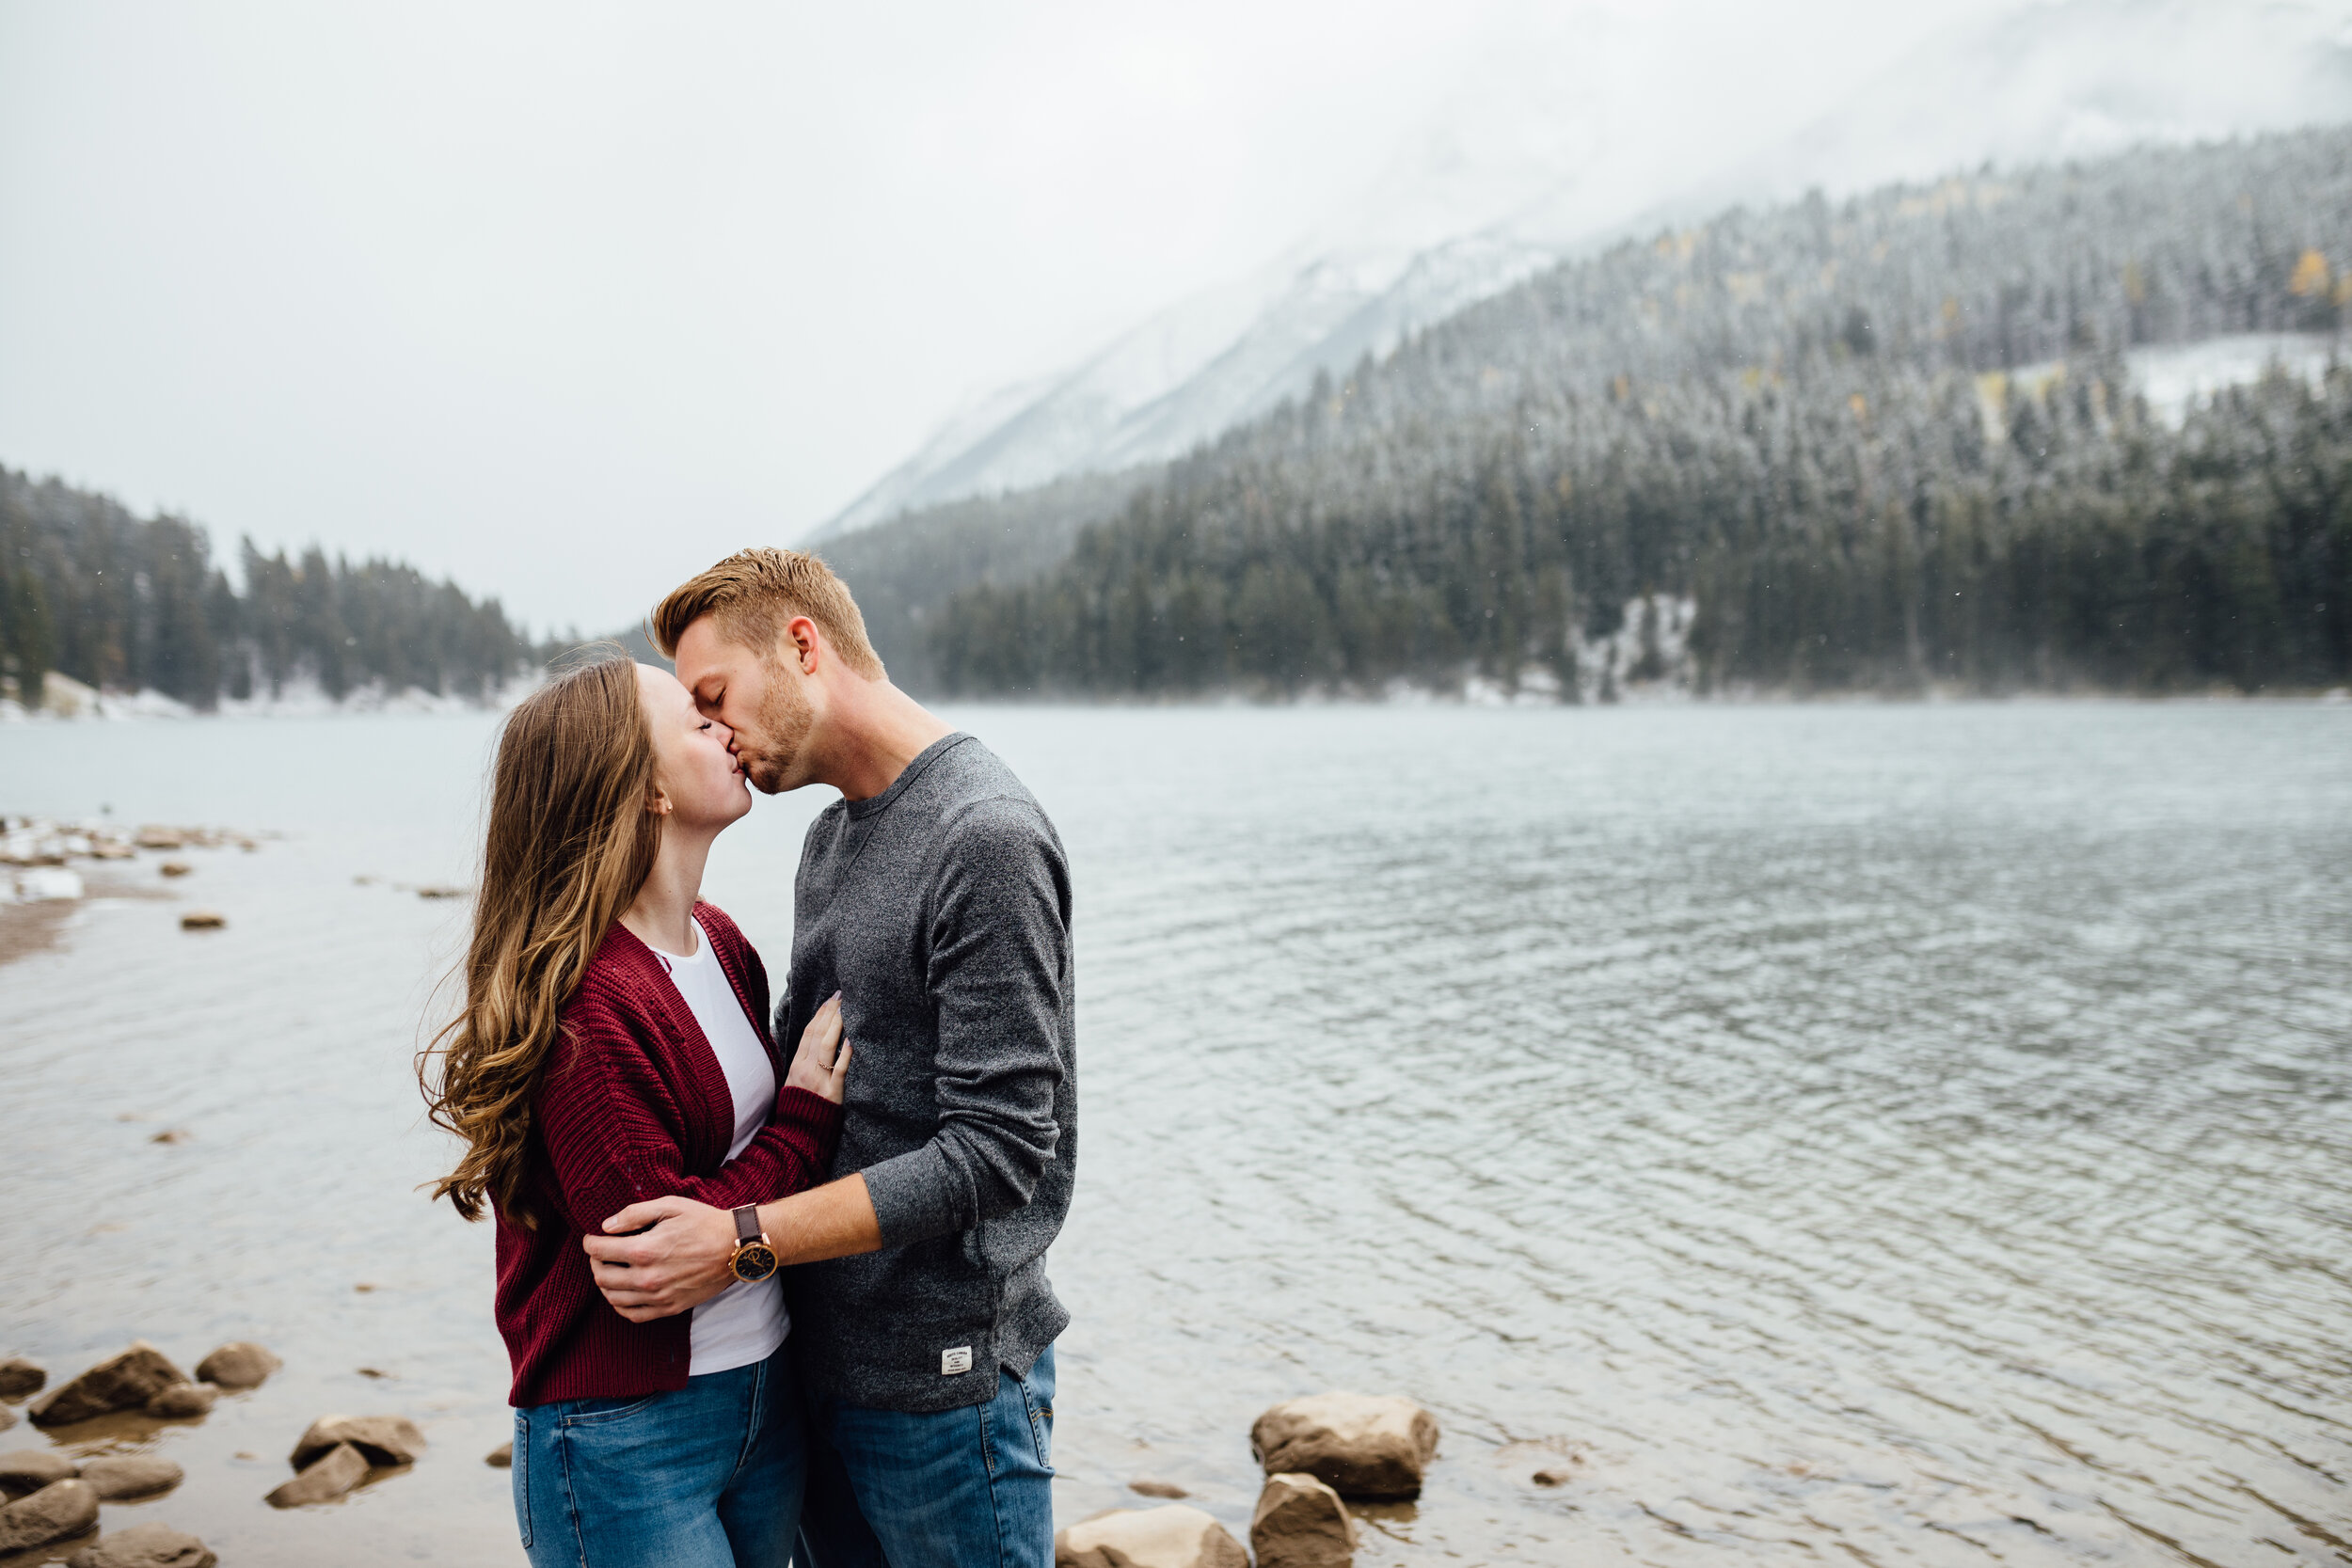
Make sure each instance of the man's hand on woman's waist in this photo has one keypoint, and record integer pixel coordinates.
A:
(681, 1253)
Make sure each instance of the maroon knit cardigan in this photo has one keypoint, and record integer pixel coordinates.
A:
(635, 1105)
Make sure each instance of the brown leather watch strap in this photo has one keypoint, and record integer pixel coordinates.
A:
(747, 1223)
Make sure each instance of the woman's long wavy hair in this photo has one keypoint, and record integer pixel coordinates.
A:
(568, 845)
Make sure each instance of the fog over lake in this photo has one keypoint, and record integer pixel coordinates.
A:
(1900, 1134)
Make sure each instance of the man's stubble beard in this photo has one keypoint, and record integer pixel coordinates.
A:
(784, 718)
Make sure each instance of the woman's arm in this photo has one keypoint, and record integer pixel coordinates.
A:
(601, 1118)
(683, 1262)
(670, 1256)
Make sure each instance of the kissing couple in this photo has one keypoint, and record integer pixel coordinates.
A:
(756, 1308)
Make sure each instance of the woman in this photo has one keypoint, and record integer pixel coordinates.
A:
(612, 1048)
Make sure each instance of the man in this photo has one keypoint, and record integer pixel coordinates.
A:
(935, 898)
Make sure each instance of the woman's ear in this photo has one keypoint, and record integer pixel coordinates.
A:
(659, 803)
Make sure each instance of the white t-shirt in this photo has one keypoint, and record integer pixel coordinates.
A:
(745, 1322)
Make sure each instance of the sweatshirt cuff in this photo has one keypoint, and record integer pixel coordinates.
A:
(799, 1107)
(911, 1194)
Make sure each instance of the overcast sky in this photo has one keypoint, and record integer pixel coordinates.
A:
(567, 300)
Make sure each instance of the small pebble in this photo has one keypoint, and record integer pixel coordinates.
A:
(57, 1511)
(238, 1364)
(325, 1478)
(501, 1458)
(1150, 1488)
(183, 1402)
(131, 1474)
(30, 1470)
(145, 1546)
(20, 1377)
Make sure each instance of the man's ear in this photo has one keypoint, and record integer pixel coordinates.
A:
(805, 641)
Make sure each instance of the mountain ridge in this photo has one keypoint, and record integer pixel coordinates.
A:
(1890, 443)
(2091, 76)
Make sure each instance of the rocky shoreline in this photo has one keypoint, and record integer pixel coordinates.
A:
(48, 867)
(1318, 1453)
(49, 1499)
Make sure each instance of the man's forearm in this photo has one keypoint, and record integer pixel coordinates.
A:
(670, 1255)
(835, 1220)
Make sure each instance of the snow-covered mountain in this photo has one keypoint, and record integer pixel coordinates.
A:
(1196, 369)
(2075, 78)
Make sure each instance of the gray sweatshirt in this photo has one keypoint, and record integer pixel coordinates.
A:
(940, 909)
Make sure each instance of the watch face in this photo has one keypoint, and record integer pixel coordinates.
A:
(753, 1261)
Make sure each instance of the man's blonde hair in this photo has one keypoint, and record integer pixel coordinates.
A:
(755, 594)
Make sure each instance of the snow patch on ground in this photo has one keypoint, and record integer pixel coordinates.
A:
(2175, 377)
(65, 698)
(42, 885)
(1647, 660)
(305, 699)
(1647, 657)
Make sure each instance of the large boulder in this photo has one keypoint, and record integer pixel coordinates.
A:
(237, 1365)
(131, 1474)
(1302, 1523)
(126, 1381)
(334, 1473)
(30, 1470)
(145, 1546)
(57, 1512)
(20, 1377)
(1170, 1537)
(1358, 1445)
(383, 1439)
(182, 1400)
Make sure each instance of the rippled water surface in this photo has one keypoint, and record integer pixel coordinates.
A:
(1885, 1134)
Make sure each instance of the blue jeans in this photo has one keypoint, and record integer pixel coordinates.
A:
(707, 1476)
(970, 1488)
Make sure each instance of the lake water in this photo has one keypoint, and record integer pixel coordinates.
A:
(1889, 1134)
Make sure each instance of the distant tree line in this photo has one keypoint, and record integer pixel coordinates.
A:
(122, 602)
(903, 569)
(1882, 443)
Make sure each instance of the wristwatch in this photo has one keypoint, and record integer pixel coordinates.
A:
(753, 1259)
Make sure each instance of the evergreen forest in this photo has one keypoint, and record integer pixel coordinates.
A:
(126, 603)
(1885, 444)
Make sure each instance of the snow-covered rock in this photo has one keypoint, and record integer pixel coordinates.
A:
(46, 884)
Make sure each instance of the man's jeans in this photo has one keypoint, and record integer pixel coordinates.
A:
(970, 1488)
(708, 1476)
